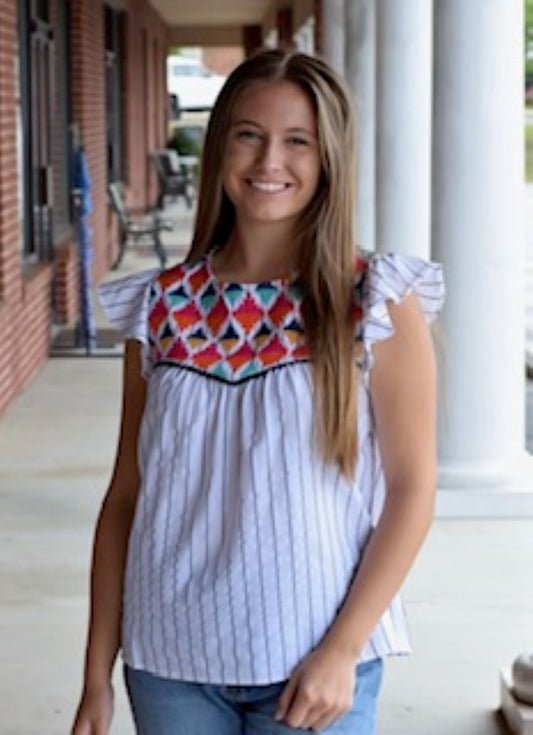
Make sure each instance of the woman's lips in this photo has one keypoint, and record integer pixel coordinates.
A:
(270, 187)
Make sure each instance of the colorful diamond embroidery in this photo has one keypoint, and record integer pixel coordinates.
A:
(229, 331)
(177, 297)
(242, 357)
(294, 332)
(273, 353)
(167, 343)
(230, 339)
(262, 336)
(158, 314)
(301, 353)
(253, 368)
(266, 292)
(178, 351)
(171, 277)
(216, 316)
(248, 313)
(234, 293)
(207, 299)
(166, 337)
(166, 331)
(187, 317)
(197, 278)
(282, 308)
(197, 339)
(207, 358)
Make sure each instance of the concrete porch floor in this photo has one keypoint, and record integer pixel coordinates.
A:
(469, 598)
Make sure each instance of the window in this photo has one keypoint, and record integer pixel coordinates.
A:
(113, 80)
(61, 122)
(44, 124)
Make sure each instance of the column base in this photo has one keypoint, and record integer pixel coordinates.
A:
(519, 716)
(485, 491)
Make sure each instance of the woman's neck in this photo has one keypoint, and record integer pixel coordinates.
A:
(257, 253)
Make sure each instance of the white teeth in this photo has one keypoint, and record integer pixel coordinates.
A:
(268, 186)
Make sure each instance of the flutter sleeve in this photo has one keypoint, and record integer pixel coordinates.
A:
(126, 302)
(392, 277)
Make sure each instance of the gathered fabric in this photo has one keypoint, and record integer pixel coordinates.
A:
(244, 541)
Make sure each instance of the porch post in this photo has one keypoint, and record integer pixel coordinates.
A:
(252, 38)
(478, 205)
(360, 66)
(403, 119)
(332, 22)
(285, 26)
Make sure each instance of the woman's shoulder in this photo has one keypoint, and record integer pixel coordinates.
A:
(391, 277)
(124, 299)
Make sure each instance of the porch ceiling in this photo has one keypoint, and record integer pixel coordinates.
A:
(212, 12)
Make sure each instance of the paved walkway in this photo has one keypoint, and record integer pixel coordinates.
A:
(469, 597)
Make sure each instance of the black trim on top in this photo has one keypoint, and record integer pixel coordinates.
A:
(220, 379)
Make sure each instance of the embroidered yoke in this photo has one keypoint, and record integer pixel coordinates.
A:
(230, 331)
(244, 541)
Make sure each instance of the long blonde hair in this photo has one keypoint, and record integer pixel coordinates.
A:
(327, 251)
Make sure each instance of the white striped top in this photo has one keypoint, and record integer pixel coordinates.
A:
(244, 542)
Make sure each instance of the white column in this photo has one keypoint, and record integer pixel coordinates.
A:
(403, 118)
(478, 205)
(333, 33)
(360, 66)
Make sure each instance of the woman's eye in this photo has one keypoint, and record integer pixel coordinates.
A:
(297, 141)
(246, 134)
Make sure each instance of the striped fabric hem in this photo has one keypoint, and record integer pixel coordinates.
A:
(125, 304)
(392, 277)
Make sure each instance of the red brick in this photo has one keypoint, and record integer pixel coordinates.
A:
(25, 293)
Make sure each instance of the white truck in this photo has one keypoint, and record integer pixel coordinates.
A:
(190, 85)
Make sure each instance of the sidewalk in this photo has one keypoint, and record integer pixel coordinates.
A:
(469, 598)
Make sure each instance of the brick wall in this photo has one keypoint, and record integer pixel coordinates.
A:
(10, 269)
(88, 113)
(65, 284)
(24, 294)
(146, 107)
(27, 294)
(65, 287)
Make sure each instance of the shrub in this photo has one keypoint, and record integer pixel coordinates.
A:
(185, 142)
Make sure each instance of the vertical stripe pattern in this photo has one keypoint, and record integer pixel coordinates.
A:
(244, 542)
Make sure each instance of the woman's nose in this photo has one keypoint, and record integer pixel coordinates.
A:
(271, 155)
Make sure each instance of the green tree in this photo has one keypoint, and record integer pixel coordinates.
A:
(528, 40)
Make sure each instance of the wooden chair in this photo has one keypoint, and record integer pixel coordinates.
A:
(174, 179)
(135, 227)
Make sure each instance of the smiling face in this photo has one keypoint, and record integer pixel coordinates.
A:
(271, 166)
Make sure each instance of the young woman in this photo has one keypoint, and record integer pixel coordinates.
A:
(275, 473)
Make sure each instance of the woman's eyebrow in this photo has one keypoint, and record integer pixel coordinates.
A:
(301, 130)
(296, 129)
(245, 121)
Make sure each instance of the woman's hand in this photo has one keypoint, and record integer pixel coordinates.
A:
(95, 711)
(320, 690)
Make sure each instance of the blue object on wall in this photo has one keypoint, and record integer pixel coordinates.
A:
(83, 208)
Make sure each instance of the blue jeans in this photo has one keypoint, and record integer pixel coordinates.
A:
(172, 707)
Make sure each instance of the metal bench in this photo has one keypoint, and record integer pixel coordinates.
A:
(135, 227)
(175, 176)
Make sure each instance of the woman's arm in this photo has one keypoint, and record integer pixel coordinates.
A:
(109, 555)
(403, 392)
